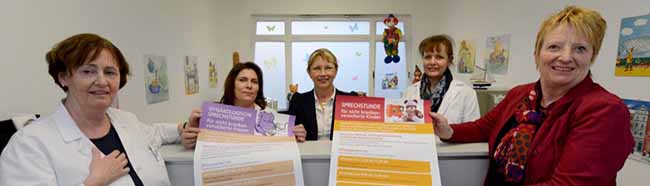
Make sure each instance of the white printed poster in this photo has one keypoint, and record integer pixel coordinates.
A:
(239, 146)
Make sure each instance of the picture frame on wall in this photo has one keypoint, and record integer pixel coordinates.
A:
(640, 125)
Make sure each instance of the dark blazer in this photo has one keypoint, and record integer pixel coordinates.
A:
(302, 105)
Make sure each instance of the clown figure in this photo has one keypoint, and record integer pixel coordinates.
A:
(391, 38)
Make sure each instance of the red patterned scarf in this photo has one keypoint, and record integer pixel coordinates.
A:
(512, 152)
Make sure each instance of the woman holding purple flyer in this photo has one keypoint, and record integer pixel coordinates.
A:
(243, 88)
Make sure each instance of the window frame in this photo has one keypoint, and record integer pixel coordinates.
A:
(372, 38)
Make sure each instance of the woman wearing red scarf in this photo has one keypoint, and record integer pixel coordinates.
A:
(563, 129)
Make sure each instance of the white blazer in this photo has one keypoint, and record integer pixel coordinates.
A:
(53, 151)
(460, 103)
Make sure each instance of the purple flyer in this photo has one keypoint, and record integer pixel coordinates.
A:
(228, 118)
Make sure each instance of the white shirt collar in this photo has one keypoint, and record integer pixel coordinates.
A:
(68, 127)
(331, 98)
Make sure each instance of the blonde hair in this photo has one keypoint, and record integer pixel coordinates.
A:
(326, 54)
(587, 22)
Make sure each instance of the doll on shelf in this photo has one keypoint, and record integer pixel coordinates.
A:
(417, 75)
(293, 89)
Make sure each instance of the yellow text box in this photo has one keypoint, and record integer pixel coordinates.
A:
(363, 176)
(384, 164)
(356, 126)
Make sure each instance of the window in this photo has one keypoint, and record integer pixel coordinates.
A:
(330, 28)
(283, 45)
(270, 28)
(351, 55)
(272, 61)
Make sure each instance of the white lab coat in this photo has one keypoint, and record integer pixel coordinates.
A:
(54, 151)
(459, 105)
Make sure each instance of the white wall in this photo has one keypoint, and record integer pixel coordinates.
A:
(170, 28)
(174, 28)
(164, 27)
(464, 19)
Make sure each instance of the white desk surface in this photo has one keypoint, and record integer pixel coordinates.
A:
(321, 150)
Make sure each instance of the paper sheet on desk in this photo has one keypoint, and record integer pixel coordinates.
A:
(379, 141)
(238, 146)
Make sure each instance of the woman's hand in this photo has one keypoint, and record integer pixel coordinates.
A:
(105, 170)
(191, 131)
(441, 127)
(300, 132)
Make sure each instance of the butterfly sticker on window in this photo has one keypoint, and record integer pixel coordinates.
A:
(270, 28)
(354, 27)
(358, 53)
(270, 64)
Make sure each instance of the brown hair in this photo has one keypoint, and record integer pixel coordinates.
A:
(326, 54)
(587, 22)
(434, 43)
(228, 97)
(73, 52)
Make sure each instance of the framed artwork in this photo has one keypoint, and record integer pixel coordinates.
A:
(633, 57)
(466, 57)
(191, 75)
(498, 53)
(156, 83)
(212, 72)
(640, 121)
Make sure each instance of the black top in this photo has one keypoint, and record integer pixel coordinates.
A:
(303, 106)
(7, 129)
(112, 142)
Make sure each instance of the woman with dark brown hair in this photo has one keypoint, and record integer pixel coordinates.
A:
(86, 141)
(243, 87)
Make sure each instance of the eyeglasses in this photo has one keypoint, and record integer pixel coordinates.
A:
(327, 69)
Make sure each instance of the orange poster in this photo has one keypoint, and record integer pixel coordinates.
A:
(380, 141)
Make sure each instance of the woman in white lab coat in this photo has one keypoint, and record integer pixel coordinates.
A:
(85, 141)
(450, 97)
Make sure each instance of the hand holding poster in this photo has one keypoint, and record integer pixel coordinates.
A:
(379, 141)
(239, 146)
